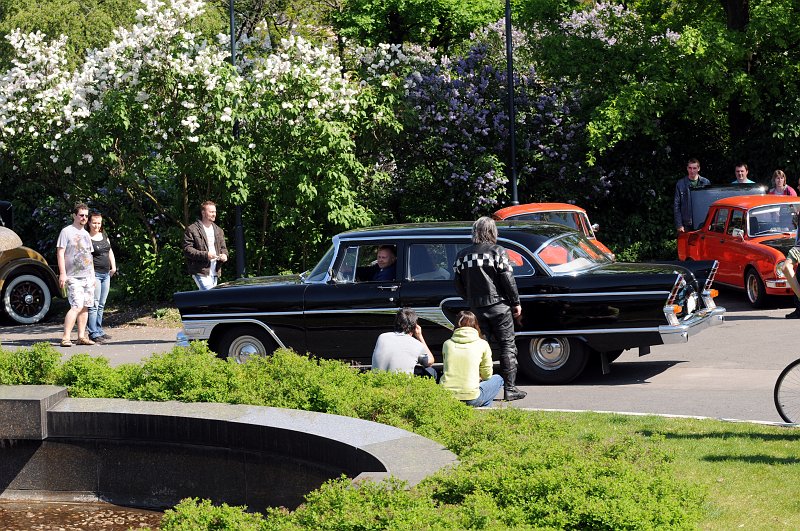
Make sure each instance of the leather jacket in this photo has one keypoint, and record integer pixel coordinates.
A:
(682, 204)
(484, 276)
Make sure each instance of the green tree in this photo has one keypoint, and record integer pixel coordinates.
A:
(437, 23)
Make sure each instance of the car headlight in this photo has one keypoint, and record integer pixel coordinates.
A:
(779, 269)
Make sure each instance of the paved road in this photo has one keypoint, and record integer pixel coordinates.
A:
(129, 344)
(725, 372)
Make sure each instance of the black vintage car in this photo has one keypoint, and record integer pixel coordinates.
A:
(577, 304)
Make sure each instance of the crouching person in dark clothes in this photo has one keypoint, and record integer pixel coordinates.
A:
(484, 278)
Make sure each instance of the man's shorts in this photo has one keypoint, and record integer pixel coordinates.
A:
(80, 291)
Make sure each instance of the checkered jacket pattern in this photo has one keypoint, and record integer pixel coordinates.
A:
(484, 276)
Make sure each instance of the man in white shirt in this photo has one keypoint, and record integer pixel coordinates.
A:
(76, 274)
(403, 349)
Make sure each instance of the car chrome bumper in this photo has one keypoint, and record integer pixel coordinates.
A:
(701, 320)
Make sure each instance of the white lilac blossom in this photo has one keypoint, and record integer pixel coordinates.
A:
(38, 94)
(608, 22)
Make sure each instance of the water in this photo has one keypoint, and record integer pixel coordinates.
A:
(46, 516)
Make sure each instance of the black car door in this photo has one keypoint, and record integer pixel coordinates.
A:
(429, 288)
(344, 317)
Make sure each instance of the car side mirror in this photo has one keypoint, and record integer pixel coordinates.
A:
(595, 227)
(737, 233)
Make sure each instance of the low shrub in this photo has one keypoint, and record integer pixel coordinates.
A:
(36, 365)
(89, 377)
(518, 469)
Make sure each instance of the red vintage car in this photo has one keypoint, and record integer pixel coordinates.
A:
(562, 213)
(749, 236)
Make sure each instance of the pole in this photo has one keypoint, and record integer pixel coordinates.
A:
(512, 138)
(238, 230)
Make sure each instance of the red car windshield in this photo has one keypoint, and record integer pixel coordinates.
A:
(770, 219)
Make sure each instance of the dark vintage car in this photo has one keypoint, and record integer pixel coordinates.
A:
(577, 304)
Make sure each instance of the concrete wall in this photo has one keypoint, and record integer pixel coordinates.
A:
(153, 454)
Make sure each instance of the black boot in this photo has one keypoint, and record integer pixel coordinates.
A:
(796, 313)
(513, 393)
(510, 390)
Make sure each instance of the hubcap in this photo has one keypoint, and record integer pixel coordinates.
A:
(752, 288)
(27, 299)
(244, 347)
(549, 353)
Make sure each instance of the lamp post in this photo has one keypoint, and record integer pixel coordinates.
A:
(512, 139)
(238, 230)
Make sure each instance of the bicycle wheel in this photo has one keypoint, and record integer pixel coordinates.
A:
(787, 393)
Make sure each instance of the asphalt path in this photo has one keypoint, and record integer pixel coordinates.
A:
(727, 371)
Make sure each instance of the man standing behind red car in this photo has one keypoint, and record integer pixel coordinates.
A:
(682, 206)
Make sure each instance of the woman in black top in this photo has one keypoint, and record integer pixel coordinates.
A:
(104, 268)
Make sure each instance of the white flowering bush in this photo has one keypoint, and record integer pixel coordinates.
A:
(158, 120)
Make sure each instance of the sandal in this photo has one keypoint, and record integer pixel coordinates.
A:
(66, 343)
(85, 341)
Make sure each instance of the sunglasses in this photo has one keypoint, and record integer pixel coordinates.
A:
(83, 215)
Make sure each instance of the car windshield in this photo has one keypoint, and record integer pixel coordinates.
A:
(570, 254)
(771, 218)
(321, 269)
(570, 219)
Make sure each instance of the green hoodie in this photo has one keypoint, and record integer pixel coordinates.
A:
(467, 361)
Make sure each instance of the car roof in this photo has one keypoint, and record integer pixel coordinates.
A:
(529, 208)
(750, 201)
(529, 233)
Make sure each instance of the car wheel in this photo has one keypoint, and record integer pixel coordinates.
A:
(241, 342)
(754, 287)
(26, 299)
(552, 360)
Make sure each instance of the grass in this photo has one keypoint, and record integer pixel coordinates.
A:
(751, 472)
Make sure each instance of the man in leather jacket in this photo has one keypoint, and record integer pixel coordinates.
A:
(484, 278)
(682, 205)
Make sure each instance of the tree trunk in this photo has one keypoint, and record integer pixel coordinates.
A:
(738, 16)
(738, 13)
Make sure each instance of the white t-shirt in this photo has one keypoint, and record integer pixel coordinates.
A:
(396, 351)
(78, 248)
(211, 247)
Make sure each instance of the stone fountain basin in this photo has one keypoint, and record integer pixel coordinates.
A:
(153, 454)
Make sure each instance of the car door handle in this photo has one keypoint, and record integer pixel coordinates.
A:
(389, 288)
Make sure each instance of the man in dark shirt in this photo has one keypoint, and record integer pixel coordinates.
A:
(386, 266)
(484, 278)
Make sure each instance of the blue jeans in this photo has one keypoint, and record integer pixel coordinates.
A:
(489, 389)
(95, 322)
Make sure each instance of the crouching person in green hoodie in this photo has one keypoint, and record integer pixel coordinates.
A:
(468, 364)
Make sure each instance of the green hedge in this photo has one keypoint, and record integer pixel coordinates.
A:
(518, 469)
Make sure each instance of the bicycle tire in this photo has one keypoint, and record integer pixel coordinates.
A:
(787, 393)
